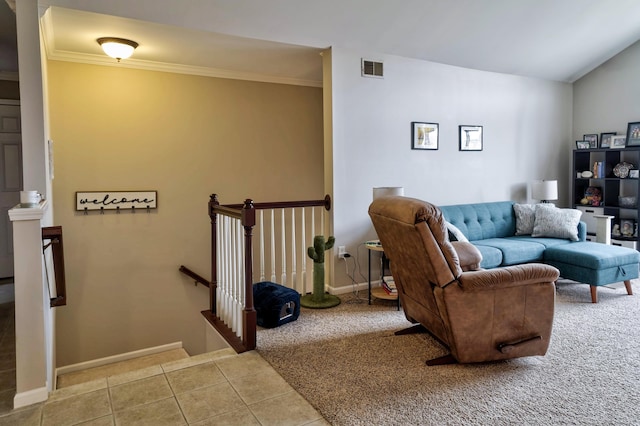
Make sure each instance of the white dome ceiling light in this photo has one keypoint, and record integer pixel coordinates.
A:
(118, 48)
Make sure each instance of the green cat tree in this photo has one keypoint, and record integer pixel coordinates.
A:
(319, 298)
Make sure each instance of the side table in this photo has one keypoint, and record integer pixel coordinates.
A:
(378, 292)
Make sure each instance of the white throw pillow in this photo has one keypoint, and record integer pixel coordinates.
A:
(556, 223)
(457, 234)
(526, 215)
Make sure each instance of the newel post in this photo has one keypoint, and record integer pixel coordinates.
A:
(249, 313)
(213, 285)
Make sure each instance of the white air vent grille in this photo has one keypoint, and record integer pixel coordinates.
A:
(372, 69)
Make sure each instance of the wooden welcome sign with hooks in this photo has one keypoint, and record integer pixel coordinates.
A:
(116, 200)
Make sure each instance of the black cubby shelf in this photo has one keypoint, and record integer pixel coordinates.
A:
(614, 187)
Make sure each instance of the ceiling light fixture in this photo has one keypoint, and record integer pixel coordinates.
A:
(118, 48)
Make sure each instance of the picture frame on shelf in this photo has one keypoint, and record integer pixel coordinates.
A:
(592, 139)
(633, 134)
(470, 138)
(627, 227)
(424, 135)
(618, 141)
(634, 174)
(605, 139)
(583, 145)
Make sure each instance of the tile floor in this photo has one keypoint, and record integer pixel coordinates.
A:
(89, 374)
(219, 388)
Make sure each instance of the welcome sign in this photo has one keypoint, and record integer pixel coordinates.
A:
(116, 200)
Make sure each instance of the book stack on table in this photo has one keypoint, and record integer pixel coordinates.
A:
(388, 285)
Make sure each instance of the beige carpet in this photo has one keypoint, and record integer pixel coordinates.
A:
(348, 363)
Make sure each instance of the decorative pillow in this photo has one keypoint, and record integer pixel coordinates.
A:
(556, 223)
(526, 215)
(455, 234)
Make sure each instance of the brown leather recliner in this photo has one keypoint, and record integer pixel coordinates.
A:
(480, 315)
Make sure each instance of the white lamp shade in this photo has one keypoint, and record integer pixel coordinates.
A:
(544, 190)
(386, 191)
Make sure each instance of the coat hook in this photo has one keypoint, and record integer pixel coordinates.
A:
(148, 209)
(133, 209)
(118, 210)
(86, 211)
(101, 210)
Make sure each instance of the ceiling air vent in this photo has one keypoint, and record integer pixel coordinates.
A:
(372, 69)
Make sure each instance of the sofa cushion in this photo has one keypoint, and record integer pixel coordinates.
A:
(514, 251)
(491, 256)
(556, 223)
(592, 255)
(526, 215)
(482, 220)
(547, 242)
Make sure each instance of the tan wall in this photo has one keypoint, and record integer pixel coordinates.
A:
(186, 137)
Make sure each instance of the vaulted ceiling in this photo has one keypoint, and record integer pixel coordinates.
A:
(280, 40)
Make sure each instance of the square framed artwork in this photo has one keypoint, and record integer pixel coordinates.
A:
(470, 138)
(592, 139)
(618, 141)
(633, 134)
(605, 139)
(424, 135)
(583, 145)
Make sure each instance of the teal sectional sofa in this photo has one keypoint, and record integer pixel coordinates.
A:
(494, 229)
(491, 227)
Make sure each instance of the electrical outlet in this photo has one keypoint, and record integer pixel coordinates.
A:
(341, 252)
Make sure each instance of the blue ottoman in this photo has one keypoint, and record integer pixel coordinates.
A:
(275, 304)
(594, 264)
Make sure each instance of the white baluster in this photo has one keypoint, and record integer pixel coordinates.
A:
(273, 246)
(303, 252)
(261, 221)
(294, 283)
(237, 293)
(283, 249)
(310, 243)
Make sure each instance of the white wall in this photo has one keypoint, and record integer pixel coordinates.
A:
(606, 99)
(527, 136)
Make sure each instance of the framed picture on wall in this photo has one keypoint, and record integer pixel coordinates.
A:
(592, 139)
(605, 139)
(470, 138)
(424, 135)
(633, 134)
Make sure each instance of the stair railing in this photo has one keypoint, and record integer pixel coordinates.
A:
(287, 228)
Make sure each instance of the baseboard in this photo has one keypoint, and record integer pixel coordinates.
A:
(117, 358)
(33, 396)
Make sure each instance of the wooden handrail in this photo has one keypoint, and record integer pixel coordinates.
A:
(54, 235)
(325, 202)
(198, 278)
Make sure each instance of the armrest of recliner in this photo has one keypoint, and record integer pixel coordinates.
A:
(468, 255)
(510, 276)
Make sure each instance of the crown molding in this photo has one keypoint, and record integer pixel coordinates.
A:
(176, 68)
(48, 40)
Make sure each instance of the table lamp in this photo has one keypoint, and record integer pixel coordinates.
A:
(544, 190)
(385, 191)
